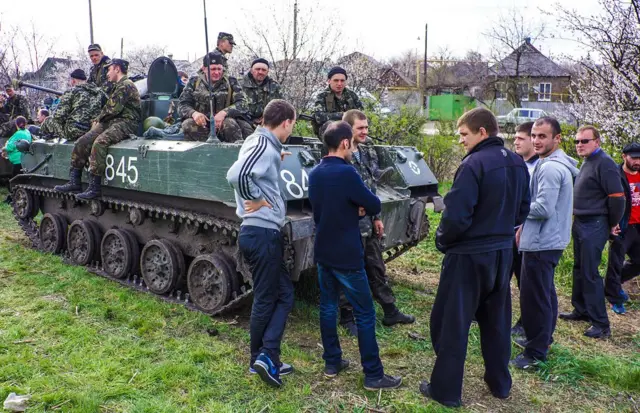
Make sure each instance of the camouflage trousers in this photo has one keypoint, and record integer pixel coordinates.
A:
(7, 129)
(92, 146)
(52, 128)
(232, 130)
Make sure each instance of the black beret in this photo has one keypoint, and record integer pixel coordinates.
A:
(94, 47)
(632, 149)
(335, 71)
(121, 63)
(214, 57)
(78, 74)
(260, 60)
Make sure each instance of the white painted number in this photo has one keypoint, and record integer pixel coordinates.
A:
(414, 167)
(130, 175)
(294, 189)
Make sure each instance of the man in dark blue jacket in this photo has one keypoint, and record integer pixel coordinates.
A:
(339, 198)
(489, 197)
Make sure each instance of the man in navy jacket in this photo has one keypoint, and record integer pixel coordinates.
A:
(339, 198)
(489, 197)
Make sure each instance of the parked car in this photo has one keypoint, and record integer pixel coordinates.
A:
(508, 122)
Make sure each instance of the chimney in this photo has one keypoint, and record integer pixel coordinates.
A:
(527, 40)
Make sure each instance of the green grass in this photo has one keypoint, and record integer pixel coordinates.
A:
(79, 343)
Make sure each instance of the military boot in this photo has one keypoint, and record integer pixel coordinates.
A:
(94, 190)
(74, 185)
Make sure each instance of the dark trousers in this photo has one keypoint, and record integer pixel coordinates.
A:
(516, 269)
(16, 169)
(620, 271)
(272, 289)
(538, 300)
(377, 277)
(472, 284)
(590, 233)
(355, 286)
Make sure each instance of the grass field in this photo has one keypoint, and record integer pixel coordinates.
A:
(78, 343)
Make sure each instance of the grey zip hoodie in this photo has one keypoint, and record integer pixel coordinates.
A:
(255, 176)
(548, 226)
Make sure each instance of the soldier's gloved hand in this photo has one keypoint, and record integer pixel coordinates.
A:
(378, 228)
(199, 118)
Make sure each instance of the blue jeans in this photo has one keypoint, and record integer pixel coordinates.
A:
(356, 288)
(272, 289)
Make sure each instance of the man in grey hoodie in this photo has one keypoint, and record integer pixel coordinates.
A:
(254, 177)
(544, 235)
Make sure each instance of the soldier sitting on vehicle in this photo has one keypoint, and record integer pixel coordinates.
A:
(260, 89)
(77, 108)
(334, 101)
(12, 106)
(119, 118)
(228, 104)
(98, 75)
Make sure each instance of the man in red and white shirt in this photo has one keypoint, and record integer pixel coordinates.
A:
(627, 242)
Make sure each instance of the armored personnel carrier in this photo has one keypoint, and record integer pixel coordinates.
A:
(166, 221)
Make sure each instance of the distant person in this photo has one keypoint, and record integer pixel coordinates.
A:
(224, 47)
(98, 75)
(598, 207)
(11, 150)
(488, 199)
(542, 239)
(339, 199)
(41, 116)
(259, 89)
(627, 242)
(12, 105)
(523, 146)
(255, 178)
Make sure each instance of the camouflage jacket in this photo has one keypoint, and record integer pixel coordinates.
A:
(98, 75)
(225, 62)
(123, 103)
(227, 95)
(329, 107)
(367, 168)
(79, 106)
(16, 106)
(259, 95)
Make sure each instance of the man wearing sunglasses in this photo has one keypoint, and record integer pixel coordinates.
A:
(598, 207)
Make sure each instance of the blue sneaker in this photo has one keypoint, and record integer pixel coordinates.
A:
(284, 369)
(624, 295)
(268, 372)
(618, 309)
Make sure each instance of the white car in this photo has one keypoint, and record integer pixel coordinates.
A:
(517, 116)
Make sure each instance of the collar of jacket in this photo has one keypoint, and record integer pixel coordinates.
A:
(261, 130)
(345, 92)
(490, 141)
(104, 59)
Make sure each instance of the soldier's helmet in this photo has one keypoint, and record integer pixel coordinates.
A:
(154, 121)
(23, 145)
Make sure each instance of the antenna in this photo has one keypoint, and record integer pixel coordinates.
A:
(212, 124)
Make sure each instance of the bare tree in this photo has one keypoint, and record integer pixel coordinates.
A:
(140, 58)
(511, 37)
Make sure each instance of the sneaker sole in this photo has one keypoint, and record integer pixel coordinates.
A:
(282, 373)
(263, 371)
(383, 388)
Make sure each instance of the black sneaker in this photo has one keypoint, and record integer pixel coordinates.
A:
(268, 372)
(521, 341)
(332, 371)
(386, 382)
(573, 316)
(598, 332)
(351, 328)
(397, 318)
(425, 389)
(524, 362)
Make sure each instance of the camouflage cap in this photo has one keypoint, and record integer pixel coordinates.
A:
(214, 58)
(226, 36)
(94, 47)
(121, 63)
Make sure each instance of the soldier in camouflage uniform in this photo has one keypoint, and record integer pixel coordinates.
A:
(10, 108)
(119, 118)
(228, 105)
(77, 108)
(334, 101)
(224, 46)
(98, 75)
(365, 160)
(259, 89)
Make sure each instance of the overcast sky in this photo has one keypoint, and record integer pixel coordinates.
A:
(382, 30)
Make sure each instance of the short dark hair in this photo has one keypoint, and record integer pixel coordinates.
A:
(479, 118)
(45, 112)
(553, 122)
(276, 112)
(335, 133)
(181, 73)
(525, 127)
(8, 87)
(21, 122)
(352, 115)
(593, 129)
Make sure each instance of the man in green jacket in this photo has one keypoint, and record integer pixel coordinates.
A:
(259, 89)
(11, 107)
(331, 104)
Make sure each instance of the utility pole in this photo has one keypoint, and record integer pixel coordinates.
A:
(295, 28)
(121, 46)
(90, 22)
(424, 82)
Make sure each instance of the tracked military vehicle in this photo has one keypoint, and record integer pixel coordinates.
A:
(166, 221)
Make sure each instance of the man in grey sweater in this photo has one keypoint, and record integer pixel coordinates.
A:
(254, 177)
(598, 206)
(542, 238)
